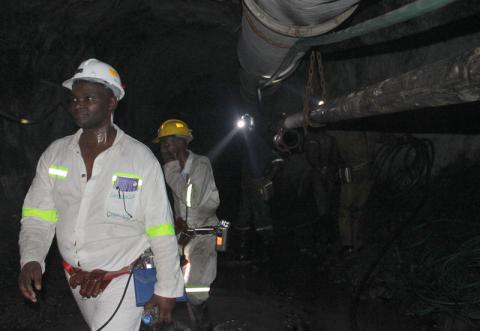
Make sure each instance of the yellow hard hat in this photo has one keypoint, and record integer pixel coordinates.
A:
(173, 127)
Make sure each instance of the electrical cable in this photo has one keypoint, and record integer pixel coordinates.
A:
(450, 282)
(401, 165)
(421, 166)
(125, 206)
(123, 296)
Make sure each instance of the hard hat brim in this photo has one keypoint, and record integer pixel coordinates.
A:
(68, 83)
(189, 139)
(118, 93)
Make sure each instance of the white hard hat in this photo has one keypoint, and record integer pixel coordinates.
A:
(100, 72)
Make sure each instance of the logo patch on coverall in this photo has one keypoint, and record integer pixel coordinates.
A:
(122, 200)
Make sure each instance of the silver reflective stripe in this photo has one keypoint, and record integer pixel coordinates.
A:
(59, 172)
(189, 193)
(197, 289)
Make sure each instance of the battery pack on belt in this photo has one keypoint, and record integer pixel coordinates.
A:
(144, 280)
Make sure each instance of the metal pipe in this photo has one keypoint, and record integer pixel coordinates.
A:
(287, 140)
(450, 81)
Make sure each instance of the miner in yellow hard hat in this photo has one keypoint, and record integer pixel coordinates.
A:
(196, 199)
(174, 127)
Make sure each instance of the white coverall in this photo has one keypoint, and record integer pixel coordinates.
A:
(196, 200)
(103, 223)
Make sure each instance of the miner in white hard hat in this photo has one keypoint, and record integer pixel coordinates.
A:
(103, 195)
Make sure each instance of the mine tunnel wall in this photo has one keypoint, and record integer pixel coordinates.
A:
(452, 148)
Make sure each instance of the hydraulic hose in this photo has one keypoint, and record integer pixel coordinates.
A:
(402, 14)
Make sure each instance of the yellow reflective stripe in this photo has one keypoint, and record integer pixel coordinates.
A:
(49, 215)
(161, 230)
(197, 289)
(57, 171)
(126, 174)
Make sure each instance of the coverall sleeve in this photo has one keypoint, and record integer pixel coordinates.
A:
(201, 180)
(161, 233)
(39, 216)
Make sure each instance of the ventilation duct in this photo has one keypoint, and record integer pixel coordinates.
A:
(270, 28)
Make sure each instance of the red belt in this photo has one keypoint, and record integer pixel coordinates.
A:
(108, 276)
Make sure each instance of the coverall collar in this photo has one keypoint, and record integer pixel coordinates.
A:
(76, 137)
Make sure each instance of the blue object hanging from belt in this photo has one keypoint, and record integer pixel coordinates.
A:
(144, 280)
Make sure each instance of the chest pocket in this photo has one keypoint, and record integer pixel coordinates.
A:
(122, 200)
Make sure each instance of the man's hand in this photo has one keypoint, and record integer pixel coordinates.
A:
(165, 307)
(30, 273)
(180, 227)
(167, 157)
(91, 283)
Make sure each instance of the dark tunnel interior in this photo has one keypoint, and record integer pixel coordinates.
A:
(407, 94)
